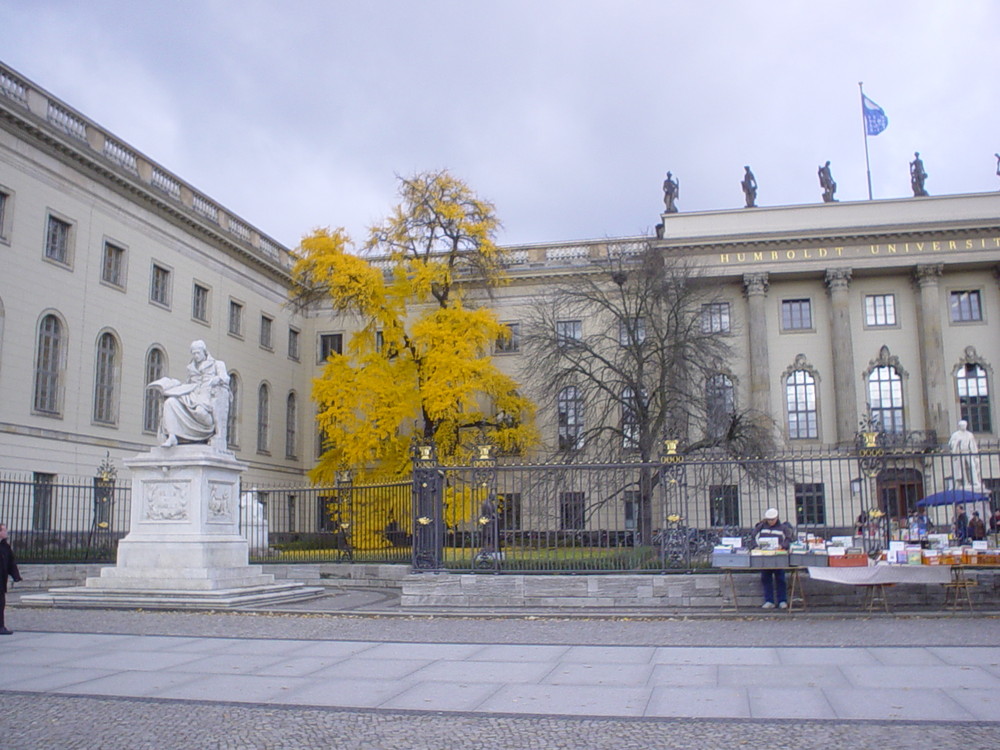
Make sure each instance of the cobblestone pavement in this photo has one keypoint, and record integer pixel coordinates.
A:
(56, 722)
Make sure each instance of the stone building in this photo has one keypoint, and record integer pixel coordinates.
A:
(112, 265)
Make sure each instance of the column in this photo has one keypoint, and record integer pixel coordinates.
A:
(933, 370)
(844, 378)
(755, 289)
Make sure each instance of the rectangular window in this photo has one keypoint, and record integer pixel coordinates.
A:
(511, 344)
(880, 310)
(568, 331)
(572, 511)
(43, 486)
(199, 303)
(724, 504)
(57, 237)
(810, 504)
(966, 306)
(509, 511)
(113, 265)
(330, 343)
(293, 344)
(266, 325)
(4, 203)
(715, 318)
(631, 331)
(632, 498)
(159, 286)
(235, 318)
(796, 315)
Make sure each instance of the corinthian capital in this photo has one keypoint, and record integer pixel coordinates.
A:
(928, 273)
(755, 283)
(838, 279)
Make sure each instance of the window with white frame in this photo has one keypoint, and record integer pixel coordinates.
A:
(631, 412)
(49, 354)
(800, 401)
(568, 331)
(330, 343)
(715, 317)
(885, 397)
(974, 397)
(57, 240)
(966, 306)
(631, 331)
(880, 310)
(720, 404)
(796, 315)
(510, 343)
(569, 405)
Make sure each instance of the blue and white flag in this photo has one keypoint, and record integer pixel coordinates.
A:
(875, 119)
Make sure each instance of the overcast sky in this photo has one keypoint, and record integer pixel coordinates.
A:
(566, 114)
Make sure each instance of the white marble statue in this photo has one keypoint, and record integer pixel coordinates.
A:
(196, 411)
(965, 458)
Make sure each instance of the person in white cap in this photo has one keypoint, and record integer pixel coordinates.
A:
(773, 579)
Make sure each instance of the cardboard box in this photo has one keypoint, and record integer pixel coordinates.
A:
(730, 560)
(849, 561)
(778, 560)
(809, 559)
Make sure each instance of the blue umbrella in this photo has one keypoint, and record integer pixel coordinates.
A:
(953, 497)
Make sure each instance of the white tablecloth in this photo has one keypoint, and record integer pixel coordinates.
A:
(883, 574)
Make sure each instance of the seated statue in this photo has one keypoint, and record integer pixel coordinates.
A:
(196, 411)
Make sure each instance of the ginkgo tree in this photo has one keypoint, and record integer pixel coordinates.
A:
(419, 363)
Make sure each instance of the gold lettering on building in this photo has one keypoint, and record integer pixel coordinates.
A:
(889, 248)
(758, 256)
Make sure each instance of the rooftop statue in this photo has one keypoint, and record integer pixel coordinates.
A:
(917, 176)
(749, 185)
(196, 411)
(671, 191)
(826, 182)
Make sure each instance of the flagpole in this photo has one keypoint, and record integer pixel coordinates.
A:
(864, 128)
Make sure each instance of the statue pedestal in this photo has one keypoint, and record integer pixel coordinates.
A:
(184, 547)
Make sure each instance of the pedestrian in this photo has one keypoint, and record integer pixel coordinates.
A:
(960, 525)
(771, 533)
(977, 528)
(8, 567)
(995, 522)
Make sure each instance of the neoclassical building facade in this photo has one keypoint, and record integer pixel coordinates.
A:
(113, 265)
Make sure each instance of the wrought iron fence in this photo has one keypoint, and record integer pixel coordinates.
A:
(621, 517)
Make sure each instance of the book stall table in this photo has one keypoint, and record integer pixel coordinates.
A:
(794, 583)
(877, 578)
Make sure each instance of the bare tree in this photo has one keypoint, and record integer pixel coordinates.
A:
(634, 352)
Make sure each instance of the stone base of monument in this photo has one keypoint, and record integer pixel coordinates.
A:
(184, 548)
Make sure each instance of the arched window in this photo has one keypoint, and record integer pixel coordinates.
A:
(233, 418)
(263, 405)
(48, 366)
(156, 368)
(974, 397)
(800, 401)
(720, 404)
(290, 425)
(570, 407)
(106, 368)
(885, 398)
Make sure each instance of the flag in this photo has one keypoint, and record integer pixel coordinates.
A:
(875, 119)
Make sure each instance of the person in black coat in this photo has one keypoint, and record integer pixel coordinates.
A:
(8, 567)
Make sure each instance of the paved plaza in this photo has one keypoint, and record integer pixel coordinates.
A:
(322, 675)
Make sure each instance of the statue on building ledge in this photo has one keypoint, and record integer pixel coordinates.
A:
(749, 185)
(826, 182)
(671, 192)
(918, 176)
(196, 411)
